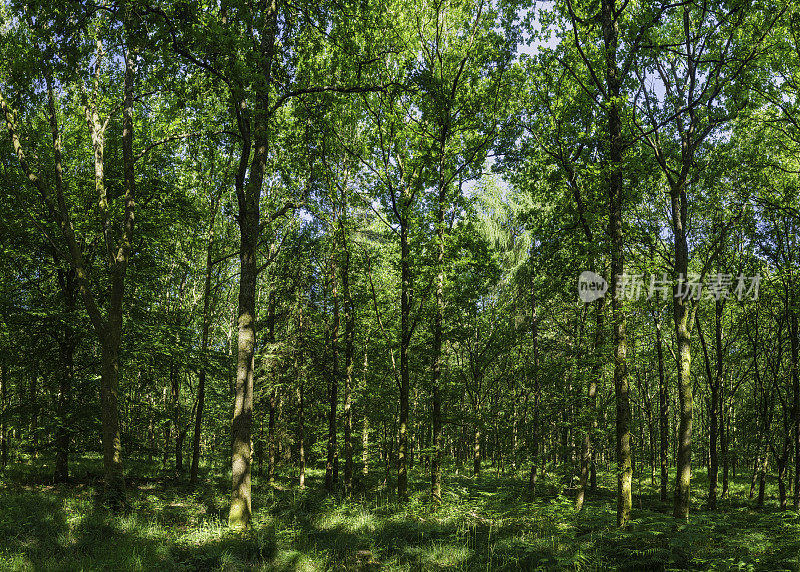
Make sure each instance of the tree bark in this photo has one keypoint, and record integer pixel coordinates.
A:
(795, 372)
(405, 342)
(67, 344)
(591, 404)
(332, 461)
(535, 429)
(476, 452)
(663, 413)
(349, 333)
(3, 410)
(204, 335)
(365, 425)
(680, 309)
(249, 197)
(613, 82)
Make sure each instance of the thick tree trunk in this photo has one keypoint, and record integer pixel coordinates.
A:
(782, 462)
(762, 479)
(681, 312)
(241, 429)
(249, 198)
(112, 441)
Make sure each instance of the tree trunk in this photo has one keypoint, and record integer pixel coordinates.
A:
(713, 385)
(349, 333)
(301, 422)
(762, 479)
(332, 461)
(66, 280)
(613, 81)
(681, 317)
(241, 504)
(204, 334)
(175, 413)
(713, 466)
(476, 453)
(591, 404)
(405, 342)
(3, 411)
(535, 430)
(249, 198)
(663, 413)
(795, 369)
(273, 402)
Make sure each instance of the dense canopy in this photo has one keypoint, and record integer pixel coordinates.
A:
(461, 284)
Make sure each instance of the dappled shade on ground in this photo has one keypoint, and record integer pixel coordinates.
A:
(485, 524)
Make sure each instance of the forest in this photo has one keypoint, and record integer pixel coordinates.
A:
(399, 285)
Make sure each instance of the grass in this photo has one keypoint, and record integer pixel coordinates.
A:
(491, 523)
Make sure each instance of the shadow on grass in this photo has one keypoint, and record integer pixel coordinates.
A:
(490, 523)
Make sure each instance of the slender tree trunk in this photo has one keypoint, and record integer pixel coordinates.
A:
(349, 333)
(175, 409)
(273, 402)
(663, 413)
(476, 452)
(723, 444)
(272, 380)
(782, 462)
(405, 342)
(66, 279)
(3, 410)
(332, 461)
(714, 429)
(204, 335)
(762, 479)
(535, 430)
(609, 17)
(365, 425)
(301, 422)
(713, 406)
(591, 404)
(436, 366)
(795, 372)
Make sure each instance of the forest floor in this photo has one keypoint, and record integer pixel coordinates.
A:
(489, 523)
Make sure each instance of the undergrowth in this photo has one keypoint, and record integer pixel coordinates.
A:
(489, 523)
